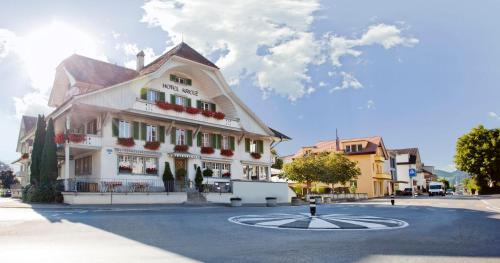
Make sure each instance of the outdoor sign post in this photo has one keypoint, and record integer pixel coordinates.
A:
(412, 173)
(312, 205)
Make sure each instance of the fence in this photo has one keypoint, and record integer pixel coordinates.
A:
(123, 185)
(359, 196)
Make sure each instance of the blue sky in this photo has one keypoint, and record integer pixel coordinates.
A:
(418, 74)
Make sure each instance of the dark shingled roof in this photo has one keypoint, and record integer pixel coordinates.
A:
(182, 50)
(279, 134)
(412, 151)
(29, 122)
(95, 72)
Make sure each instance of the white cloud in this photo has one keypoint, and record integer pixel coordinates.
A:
(322, 84)
(388, 36)
(7, 38)
(370, 105)
(270, 42)
(348, 82)
(494, 115)
(130, 50)
(31, 104)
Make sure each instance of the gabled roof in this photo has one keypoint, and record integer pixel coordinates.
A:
(279, 134)
(372, 144)
(97, 73)
(182, 50)
(412, 152)
(29, 122)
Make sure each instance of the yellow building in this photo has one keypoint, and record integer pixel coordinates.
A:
(370, 154)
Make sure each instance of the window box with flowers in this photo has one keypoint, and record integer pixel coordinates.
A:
(76, 137)
(207, 150)
(151, 170)
(192, 110)
(124, 169)
(128, 142)
(154, 145)
(207, 113)
(219, 115)
(181, 148)
(226, 175)
(226, 152)
(59, 138)
(25, 156)
(255, 155)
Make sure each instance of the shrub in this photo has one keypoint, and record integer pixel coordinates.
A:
(198, 180)
(208, 172)
(168, 178)
(45, 193)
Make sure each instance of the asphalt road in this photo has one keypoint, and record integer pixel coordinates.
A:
(439, 229)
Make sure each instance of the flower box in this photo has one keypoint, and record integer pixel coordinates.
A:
(226, 175)
(128, 142)
(152, 145)
(255, 155)
(59, 138)
(192, 110)
(76, 138)
(124, 169)
(178, 108)
(226, 152)
(164, 105)
(151, 171)
(219, 115)
(207, 113)
(207, 150)
(181, 148)
(25, 156)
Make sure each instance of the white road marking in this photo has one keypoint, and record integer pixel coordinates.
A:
(277, 222)
(319, 223)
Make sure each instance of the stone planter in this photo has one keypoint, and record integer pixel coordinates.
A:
(295, 201)
(271, 201)
(235, 201)
(327, 200)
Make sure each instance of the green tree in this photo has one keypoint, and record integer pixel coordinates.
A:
(445, 182)
(305, 169)
(36, 154)
(198, 180)
(338, 169)
(478, 153)
(208, 172)
(278, 162)
(48, 166)
(167, 178)
(470, 184)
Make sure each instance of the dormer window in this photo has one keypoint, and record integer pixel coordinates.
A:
(180, 80)
(354, 148)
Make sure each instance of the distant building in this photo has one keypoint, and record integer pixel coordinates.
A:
(429, 175)
(407, 159)
(24, 148)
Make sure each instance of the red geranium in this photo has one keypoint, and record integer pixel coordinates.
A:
(59, 138)
(164, 105)
(76, 138)
(178, 108)
(207, 113)
(207, 150)
(226, 152)
(129, 142)
(192, 110)
(255, 155)
(228, 174)
(219, 115)
(25, 156)
(124, 169)
(152, 145)
(151, 170)
(181, 148)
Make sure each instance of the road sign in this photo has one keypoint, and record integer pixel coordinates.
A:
(412, 172)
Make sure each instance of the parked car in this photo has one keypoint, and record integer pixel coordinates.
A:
(407, 191)
(450, 192)
(6, 193)
(436, 188)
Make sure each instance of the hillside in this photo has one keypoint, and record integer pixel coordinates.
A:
(453, 177)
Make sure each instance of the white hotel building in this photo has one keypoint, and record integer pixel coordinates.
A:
(117, 127)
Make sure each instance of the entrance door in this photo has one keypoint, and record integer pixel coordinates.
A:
(180, 164)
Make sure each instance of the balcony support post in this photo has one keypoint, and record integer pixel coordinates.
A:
(66, 166)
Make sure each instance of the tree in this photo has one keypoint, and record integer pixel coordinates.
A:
(478, 153)
(208, 172)
(36, 154)
(167, 178)
(304, 170)
(48, 165)
(7, 179)
(471, 185)
(445, 182)
(278, 162)
(198, 180)
(338, 169)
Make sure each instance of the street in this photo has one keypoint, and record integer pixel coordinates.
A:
(444, 229)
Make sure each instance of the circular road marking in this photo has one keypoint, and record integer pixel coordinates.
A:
(319, 222)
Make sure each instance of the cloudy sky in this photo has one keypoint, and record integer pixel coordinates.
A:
(420, 75)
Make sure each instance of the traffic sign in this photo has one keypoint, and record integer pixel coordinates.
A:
(412, 172)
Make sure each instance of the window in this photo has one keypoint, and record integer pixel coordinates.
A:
(180, 137)
(131, 164)
(83, 166)
(253, 146)
(124, 129)
(180, 100)
(180, 80)
(205, 105)
(219, 169)
(360, 147)
(92, 127)
(225, 143)
(205, 139)
(152, 96)
(256, 172)
(151, 133)
(348, 148)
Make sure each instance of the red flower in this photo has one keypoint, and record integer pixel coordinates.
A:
(76, 138)
(207, 150)
(192, 110)
(124, 169)
(207, 113)
(181, 148)
(152, 145)
(179, 108)
(25, 156)
(219, 115)
(128, 142)
(59, 138)
(255, 155)
(226, 152)
(164, 105)
(228, 174)
(151, 170)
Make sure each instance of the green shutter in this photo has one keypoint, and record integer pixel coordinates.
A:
(144, 93)
(172, 136)
(213, 140)
(260, 146)
(198, 138)
(212, 107)
(161, 96)
(219, 141)
(247, 145)
(198, 104)
(189, 134)
(161, 133)
(188, 102)
(172, 77)
(135, 130)
(188, 81)
(231, 142)
(114, 125)
(172, 98)
(143, 131)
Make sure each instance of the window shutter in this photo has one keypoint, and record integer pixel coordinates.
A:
(213, 140)
(144, 93)
(247, 145)
(172, 77)
(172, 98)
(172, 135)
(188, 81)
(219, 141)
(189, 134)
(161, 133)
(114, 125)
(231, 142)
(199, 139)
(143, 131)
(161, 96)
(198, 104)
(260, 146)
(188, 102)
(212, 107)
(135, 131)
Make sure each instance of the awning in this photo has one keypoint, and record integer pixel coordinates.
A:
(184, 155)
(16, 161)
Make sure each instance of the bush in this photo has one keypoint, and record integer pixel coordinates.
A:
(198, 179)
(43, 194)
(208, 172)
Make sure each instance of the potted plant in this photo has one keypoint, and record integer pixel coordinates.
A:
(235, 201)
(226, 152)
(208, 172)
(207, 150)
(152, 145)
(168, 178)
(181, 148)
(25, 156)
(271, 201)
(178, 108)
(59, 138)
(164, 105)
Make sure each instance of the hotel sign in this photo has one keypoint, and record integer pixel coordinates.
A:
(184, 90)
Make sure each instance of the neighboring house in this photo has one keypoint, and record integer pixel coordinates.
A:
(370, 154)
(390, 166)
(24, 147)
(429, 175)
(118, 126)
(407, 159)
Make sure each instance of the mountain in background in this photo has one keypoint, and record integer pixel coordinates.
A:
(454, 177)
(4, 166)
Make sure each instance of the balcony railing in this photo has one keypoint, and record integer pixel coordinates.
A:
(89, 140)
(143, 105)
(102, 185)
(379, 158)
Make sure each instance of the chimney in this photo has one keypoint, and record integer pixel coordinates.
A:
(140, 60)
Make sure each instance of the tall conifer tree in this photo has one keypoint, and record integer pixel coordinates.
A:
(36, 154)
(48, 166)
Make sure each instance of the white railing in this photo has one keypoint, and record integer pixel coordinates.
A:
(90, 140)
(143, 105)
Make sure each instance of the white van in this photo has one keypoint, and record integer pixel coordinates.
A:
(436, 188)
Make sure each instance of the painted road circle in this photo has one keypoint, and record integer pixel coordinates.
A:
(319, 222)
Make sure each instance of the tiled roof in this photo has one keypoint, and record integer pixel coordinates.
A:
(182, 50)
(330, 146)
(279, 134)
(98, 74)
(29, 122)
